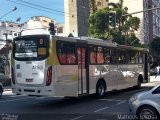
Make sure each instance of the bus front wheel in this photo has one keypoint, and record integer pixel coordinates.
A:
(100, 89)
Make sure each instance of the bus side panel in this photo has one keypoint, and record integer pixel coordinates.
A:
(129, 76)
(67, 80)
(106, 72)
(92, 79)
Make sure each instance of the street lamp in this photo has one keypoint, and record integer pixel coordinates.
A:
(13, 9)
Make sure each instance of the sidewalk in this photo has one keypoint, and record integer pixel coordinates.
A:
(153, 81)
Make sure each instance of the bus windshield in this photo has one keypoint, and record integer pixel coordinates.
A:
(31, 48)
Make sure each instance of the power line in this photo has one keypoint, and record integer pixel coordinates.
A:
(41, 6)
(38, 7)
(34, 7)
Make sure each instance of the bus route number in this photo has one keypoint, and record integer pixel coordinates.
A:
(37, 67)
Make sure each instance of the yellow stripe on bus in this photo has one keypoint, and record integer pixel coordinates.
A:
(52, 59)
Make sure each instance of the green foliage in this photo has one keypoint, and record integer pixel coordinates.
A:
(125, 26)
(2, 63)
(99, 23)
(93, 6)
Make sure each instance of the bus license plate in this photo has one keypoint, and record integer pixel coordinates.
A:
(29, 80)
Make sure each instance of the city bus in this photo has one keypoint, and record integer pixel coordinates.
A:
(46, 65)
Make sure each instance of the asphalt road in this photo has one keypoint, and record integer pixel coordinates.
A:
(110, 107)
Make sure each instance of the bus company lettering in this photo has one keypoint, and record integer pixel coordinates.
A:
(37, 67)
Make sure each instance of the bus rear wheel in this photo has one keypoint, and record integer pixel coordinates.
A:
(139, 81)
(100, 89)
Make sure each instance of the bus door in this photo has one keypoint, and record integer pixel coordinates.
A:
(83, 81)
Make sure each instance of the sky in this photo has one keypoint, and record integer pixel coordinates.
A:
(29, 8)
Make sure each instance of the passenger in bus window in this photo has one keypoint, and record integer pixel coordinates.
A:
(71, 59)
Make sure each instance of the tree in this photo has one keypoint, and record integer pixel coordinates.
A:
(2, 63)
(99, 24)
(92, 5)
(124, 29)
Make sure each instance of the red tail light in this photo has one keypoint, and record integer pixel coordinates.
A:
(13, 77)
(49, 76)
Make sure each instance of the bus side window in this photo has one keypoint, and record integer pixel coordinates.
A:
(100, 57)
(61, 51)
(66, 52)
(93, 55)
(140, 57)
(71, 54)
(133, 57)
(121, 56)
(106, 55)
(128, 56)
(113, 58)
(137, 57)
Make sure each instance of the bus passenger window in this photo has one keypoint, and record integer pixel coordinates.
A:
(71, 57)
(140, 57)
(93, 55)
(113, 58)
(100, 56)
(106, 52)
(61, 53)
(66, 53)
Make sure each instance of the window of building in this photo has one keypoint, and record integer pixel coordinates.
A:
(99, 3)
(60, 30)
(15, 34)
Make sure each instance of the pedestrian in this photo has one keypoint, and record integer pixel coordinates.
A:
(158, 70)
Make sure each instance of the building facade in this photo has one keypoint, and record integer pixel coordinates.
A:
(76, 17)
(8, 30)
(100, 4)
(151, 20)
(37, 25)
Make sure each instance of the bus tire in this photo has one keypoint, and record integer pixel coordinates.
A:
(1, 91)
(139, 81)
(100, 89)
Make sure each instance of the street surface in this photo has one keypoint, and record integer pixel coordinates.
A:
(114, 104)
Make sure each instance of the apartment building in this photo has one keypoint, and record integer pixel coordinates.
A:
(76, 17)
(100, 4)
(37, 25)
(151, 20)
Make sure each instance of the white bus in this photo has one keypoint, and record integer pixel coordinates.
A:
(59, 66)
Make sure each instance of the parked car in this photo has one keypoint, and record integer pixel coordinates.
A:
(1, 89)
(153, 71)
(146, 104)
